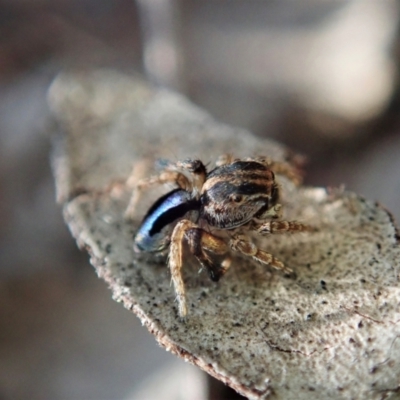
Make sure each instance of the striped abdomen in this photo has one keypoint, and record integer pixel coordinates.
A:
(155, 231)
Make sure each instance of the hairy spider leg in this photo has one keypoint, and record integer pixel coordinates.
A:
(198, 240)
(197, 170)
(281, 227)
(273, 212)
(244, 245)
(171, 173)
(224, 159)
(164, 177)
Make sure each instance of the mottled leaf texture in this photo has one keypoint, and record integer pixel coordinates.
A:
(329, 331)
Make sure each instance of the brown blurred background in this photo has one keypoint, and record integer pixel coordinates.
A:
(321, 77)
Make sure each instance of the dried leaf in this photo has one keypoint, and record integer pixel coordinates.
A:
(331, 330)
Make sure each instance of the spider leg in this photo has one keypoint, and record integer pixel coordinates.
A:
(164, 177)
(170, 173)
(198, 240)
(195, 168)
(175, 263)
(273, 212)
(224, 159)
(288, 170)
(281, 227)
(244, 245)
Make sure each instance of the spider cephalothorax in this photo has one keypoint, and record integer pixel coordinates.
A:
(237, 196)
(235, 193)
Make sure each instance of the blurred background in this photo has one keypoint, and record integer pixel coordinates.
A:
(321, 77)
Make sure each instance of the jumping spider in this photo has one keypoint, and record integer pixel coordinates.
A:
(238, 195)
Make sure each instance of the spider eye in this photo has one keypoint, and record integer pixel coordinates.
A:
(237, 198)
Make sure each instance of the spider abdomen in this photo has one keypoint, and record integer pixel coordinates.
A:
(156, 228)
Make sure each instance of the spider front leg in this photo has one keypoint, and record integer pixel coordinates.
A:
(244, 245)
(199, 240)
